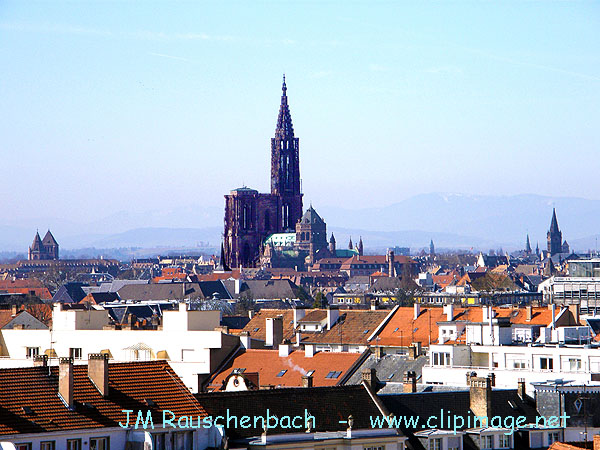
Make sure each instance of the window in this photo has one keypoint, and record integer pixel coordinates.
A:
(505, 441)
(100, 443)
(281, 373)
(553, 436)
(487, 442)
(47, 445)
(574, 364)
(519, 364)
(435, 444)
(73, 444)
(377, 447)
(310, 373)
(333, 374)
(26, 446)
(75, 353)
(32, 352)
(546, 363)
(441, 359)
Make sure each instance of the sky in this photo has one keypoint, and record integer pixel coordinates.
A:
(111, 106)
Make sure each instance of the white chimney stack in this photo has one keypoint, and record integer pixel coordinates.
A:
(417, 310)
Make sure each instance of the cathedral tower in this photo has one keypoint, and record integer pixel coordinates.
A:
(554, 236)
(285, 167)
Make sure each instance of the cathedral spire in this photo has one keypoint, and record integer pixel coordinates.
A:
(284, 128)
(554, 223)
(528, 245)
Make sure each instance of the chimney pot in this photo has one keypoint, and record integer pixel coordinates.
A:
(410, 382)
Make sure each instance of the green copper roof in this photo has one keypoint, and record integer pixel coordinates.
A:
(281, 239)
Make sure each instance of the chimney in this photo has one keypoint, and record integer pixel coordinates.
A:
(332, 316)
(298, 339)
(391, 267)
(417, 310)
(245, 340)
(480, 396)
(574, 309)
(250, 314)
(285, 348)
(236, 286)
(309, 350)
(596, 442)
(529, 313)
(369, 377)
(274, 332)
(521, 388)
(379, 352)
(40, 361)
(298, 314)
(98, 371)
(469, 376)
(410, 381)
(374, 304)
(449, 310)
(553, 308)
(65, 381)
(307, 381)
(13, 310)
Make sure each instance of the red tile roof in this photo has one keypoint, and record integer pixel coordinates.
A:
(402, 329)
(257, 325)
(268, 364)
(353, 327)
(130, 384)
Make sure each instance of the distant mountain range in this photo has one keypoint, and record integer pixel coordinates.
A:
(451, 220)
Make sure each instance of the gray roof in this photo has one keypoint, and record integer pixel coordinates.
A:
(27, 320)
(161, 291)
(269, 289)
(390, 368)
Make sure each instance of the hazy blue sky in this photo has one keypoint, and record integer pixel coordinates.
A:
(113, 105)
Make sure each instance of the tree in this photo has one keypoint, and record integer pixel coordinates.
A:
(320, 300)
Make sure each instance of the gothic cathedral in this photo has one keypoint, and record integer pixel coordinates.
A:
(250, 217)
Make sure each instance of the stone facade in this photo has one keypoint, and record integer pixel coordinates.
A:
(43, 249)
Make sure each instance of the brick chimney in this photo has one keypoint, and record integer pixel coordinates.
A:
(65, 381)
(369, 376)
(521, 388)
(529, 313)
(98, 371)
(596, 442)
(274, 332)
(307, 381)
(480, 396)
(410, 381)
(40, 361)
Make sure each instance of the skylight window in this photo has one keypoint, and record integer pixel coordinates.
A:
(310, 373)
(396, 329)
(365, 332)
(256, 329)
(281, 373)
(333, 374)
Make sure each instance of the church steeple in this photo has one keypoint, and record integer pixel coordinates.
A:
(284, 128)
(285, 167)
(554, 236)
(528, 246)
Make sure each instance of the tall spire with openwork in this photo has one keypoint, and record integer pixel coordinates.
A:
(554, 236)
(285, 167)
